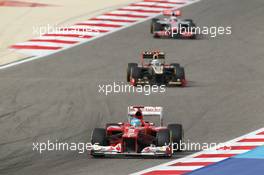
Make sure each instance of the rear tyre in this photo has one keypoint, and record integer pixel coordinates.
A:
(129, 67)
(176, 135)
(163, 137)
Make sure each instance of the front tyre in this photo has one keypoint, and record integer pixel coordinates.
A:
(152, 25)
(176, 135)
(130, 66)
(179, 72)
(99, 137)
(135, 74)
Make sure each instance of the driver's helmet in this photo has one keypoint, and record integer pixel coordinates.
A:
(175, 15)
(155, 62)
(139, 115)
(135, 122)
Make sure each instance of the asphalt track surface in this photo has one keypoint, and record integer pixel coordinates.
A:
(57, 97)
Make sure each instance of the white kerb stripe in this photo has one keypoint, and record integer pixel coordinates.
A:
(33, 43)
(104, 22)
(60, 38)
(203, 160)
(144, 8)
(94, 27)
(121, 12)
(119, 18)
(158, 4)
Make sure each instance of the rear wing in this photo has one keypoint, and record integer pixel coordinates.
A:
(146, 111)
(153, 55)
(171, 13)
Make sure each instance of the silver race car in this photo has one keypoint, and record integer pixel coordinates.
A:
(171, 26)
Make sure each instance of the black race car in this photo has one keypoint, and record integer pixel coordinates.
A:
(154, 71)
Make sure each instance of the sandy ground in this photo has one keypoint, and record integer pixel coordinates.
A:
(18, 23)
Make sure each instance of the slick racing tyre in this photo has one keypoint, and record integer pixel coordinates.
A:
(163, 137)
(178, 71)
(99, 137)
(136, 73)
(181, 73)
(129, 67)
(192, 26)
(176, 135)
(153, 24)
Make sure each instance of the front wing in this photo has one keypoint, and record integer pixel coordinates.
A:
(163, 151)
(177, 82)
(167, 34)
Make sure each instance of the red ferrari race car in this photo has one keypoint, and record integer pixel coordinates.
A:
(137, 136)
(154, 71)
(173, 27)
